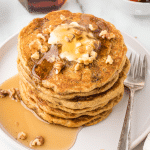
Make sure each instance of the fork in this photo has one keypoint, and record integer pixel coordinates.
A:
(134, 81)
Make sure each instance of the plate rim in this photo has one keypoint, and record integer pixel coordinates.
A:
(138, 140)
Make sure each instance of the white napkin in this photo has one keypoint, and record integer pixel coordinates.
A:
(147, 143)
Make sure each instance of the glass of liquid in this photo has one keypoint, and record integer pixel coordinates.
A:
(42, 6)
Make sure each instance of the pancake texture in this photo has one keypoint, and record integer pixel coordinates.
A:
(71, 68)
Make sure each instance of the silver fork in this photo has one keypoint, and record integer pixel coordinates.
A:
(134, 81)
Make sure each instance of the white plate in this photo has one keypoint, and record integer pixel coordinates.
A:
(104, 135)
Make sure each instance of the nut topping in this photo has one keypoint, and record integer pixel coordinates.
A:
(92, 27)
(48, 30)
(13, 93)
(80, 50)
(39, 35)
(36, 44)
(77, 31)
(22, 136)
(74, 24)
(62, 17)
(105, 34)
(109, 60)
(58, 66)
(38, 141)
(36, 55)
(69, 37)
(3, 93)
(78, 67)
(44, 49)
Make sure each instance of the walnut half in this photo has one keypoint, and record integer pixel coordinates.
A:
(38, 141)
(58, 66)
(22, 135)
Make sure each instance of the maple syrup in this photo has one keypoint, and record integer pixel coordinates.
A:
(15, 117)
(42, 6)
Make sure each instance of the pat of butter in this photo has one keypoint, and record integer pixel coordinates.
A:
(73, 46)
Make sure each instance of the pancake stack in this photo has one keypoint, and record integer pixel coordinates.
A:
(71, 68)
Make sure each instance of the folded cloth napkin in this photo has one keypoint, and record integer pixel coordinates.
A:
(147, 143)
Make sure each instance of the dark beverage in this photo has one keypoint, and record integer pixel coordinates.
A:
(42, 6)
(146, 1)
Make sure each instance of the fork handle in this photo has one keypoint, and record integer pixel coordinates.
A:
(124, 141)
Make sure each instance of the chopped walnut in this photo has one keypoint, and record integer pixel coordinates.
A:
(90, 35)
(92, 27)
(39, 35)
(14, 94)
(48, 30)
(89, 48)
(38, 141)
(78, 67)
(105, 34)
(69, 37)
(80, 50)
(62, 17)
(74, 24)
(36, 44)
(22, 136)
(85, 60)
(109, 59)
(58, 66)
(97, 44)
(44, 49)
(3, 93)
(77, 31)
(36, 55)
(93, 55)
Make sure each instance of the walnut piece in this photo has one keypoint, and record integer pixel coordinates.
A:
(77, 32)
(39, 35)
(109, 60)
(44, 49)
(62, 17)
(38, 141)
(92, 27)
(3, 93)
(36, 44)
(69, 37)
(22, 136)
(80, 50)
(58, 66)
(36, 55)
(105, 34)
(14, 94)
(48, 30)
(78, 66)
(74, 24)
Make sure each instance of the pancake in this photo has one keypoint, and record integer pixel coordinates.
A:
(71, 68)
(67, 115)
(90, 77)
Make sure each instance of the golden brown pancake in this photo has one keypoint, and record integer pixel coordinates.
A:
(90, 77)
(71, 68)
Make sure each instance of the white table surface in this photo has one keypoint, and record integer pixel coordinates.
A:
(13, 17)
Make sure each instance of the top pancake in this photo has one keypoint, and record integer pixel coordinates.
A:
(91, 76)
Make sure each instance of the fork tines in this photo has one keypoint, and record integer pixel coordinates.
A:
(138, 67)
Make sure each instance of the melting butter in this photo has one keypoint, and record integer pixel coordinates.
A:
(76, 42)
